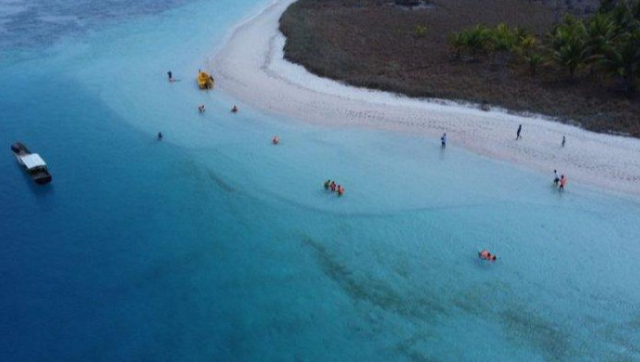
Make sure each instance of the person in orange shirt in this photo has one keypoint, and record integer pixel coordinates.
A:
(563, 182)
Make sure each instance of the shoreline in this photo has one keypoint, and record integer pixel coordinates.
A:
(259, 76)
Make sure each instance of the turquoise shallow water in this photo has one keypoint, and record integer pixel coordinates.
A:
(216, 245)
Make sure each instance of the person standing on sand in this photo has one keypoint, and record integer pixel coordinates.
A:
(443, 139)
(564, 140)
(518, 133)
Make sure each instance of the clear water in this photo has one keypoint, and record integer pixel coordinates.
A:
(214, 245)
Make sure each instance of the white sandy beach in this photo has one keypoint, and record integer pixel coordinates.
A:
(250, 67)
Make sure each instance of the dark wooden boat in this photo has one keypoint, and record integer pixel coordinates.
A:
(32, 163)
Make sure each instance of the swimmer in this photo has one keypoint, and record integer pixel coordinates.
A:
(443, 139)
(327, 184)
(201, 108)
(159, 136)
(563, 182)
(170, 76)
(340, 190)
(486, 255)
(275, 140)
(332, 186)
(556, 179)
(234, 109)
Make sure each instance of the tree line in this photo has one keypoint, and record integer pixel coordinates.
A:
(607, 42)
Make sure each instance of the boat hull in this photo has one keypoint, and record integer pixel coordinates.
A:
(39, 175)
(42, 180)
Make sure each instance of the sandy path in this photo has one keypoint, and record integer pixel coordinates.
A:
(251, 68)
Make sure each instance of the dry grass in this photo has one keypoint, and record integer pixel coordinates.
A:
(376, 44)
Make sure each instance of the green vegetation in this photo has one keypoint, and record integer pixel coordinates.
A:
(420, 31)
(474, 41)
(569, 45)
(368, 43)
(533, 60)
(608, 42)
(502, 41)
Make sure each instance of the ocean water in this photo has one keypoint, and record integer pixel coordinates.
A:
(214, 245)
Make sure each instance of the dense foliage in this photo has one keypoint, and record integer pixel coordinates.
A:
(606, 43)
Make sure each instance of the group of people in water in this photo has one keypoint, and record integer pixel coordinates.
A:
(201, 107)
(559, 181)
(333, 187)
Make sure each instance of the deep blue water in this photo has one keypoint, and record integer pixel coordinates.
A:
(216, 245)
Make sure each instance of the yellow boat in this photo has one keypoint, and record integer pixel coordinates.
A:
(205, 81)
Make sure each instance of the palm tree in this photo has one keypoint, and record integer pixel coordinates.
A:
(601, 30)
(626, 14)
(477, 39)
(525, 42)
(623, 59)
(569, 29)
(569, 43)
(503, 41)
(474, 40)
(533, 61)
(572, 55)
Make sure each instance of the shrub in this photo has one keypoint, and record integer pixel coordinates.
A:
(474, 41)
(420, 31)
